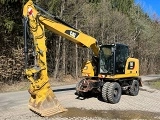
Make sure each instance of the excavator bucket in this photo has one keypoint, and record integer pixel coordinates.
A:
(44, 102)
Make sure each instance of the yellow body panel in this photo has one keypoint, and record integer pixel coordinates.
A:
(88, 69)
(135, 70)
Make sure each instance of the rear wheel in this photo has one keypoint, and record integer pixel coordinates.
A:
(114, 92)
(134, 90)
(105, 91)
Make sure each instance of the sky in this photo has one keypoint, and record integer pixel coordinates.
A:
(150, 6)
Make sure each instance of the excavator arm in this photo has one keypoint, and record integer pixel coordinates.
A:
(42, 100)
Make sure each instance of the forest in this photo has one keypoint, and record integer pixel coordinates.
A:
(109, 21)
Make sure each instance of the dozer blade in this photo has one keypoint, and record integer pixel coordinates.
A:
(45, 103)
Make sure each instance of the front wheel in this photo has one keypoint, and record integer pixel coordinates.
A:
(105, 91)
(78, 87)
(134, 90)
(81, 88)
(114, 92)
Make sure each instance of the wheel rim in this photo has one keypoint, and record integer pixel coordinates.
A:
(135, 87)
(115, 92)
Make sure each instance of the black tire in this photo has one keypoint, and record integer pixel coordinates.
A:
(134, 90)
(105, 91)
(78, 85)
(79, 93)
(114, 92)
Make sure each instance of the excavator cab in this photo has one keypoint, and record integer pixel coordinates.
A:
(112, 59)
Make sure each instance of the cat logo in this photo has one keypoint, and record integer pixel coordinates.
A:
(72, 33)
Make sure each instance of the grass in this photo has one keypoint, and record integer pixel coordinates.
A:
(21, 86)
(154, 84)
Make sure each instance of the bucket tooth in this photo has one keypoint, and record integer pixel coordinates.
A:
(49, 111)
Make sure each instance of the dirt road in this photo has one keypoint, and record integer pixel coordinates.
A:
(13, 105)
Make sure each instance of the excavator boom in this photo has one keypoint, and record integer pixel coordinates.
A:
(60, 27)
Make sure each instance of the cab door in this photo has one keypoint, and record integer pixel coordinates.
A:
(121, 55)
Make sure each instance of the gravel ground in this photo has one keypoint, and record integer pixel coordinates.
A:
(13, 106)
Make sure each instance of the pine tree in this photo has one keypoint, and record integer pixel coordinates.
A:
(122, 5)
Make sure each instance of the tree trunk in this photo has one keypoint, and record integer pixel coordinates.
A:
(76, 53)
(64, 57)
(57, 58)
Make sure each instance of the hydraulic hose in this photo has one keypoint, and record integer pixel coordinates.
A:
(25, 20)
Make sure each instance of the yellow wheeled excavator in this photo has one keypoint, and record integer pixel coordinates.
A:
(110, 72)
